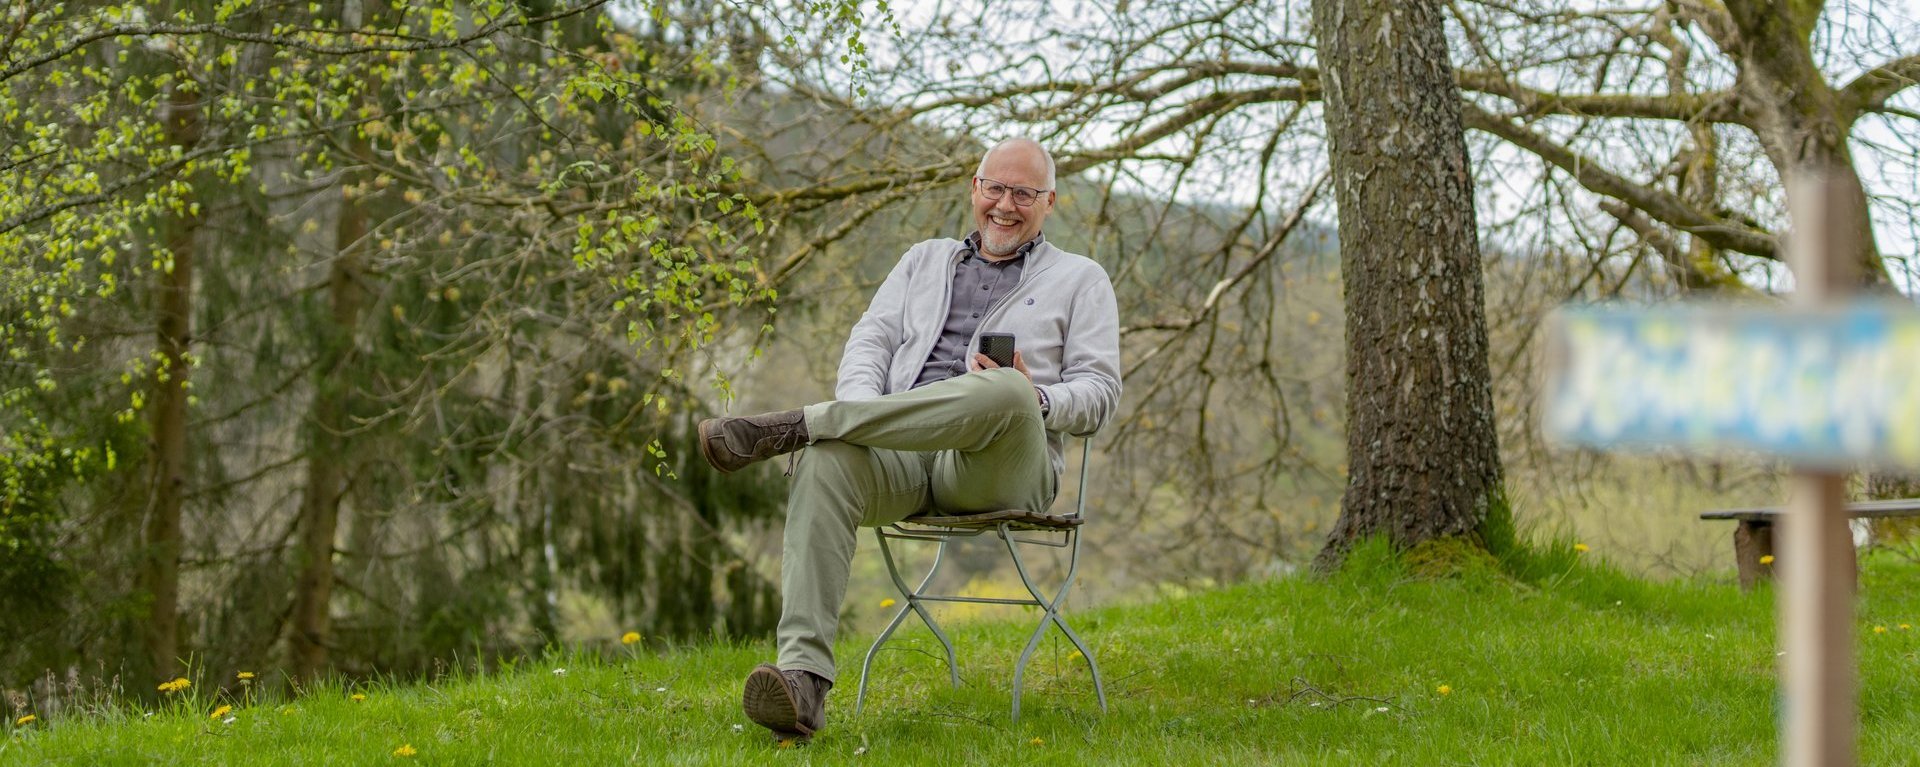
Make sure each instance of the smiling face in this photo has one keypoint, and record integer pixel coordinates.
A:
(1005, 226)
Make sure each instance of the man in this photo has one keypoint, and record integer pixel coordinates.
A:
(921, 421)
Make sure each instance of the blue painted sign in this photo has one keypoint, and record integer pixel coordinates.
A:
(1824, 389)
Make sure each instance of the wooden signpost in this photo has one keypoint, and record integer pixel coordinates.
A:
(1826, 384)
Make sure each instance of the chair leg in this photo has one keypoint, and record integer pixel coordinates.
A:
(1020, 668)
(860, 700)
(1051, 608)
(1086, 654)
(914, 605)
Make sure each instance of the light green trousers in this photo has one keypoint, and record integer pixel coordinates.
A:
(967, 444)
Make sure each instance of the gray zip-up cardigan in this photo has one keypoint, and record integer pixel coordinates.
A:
(1062, 313)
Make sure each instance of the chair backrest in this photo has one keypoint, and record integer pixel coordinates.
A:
(1086, 465)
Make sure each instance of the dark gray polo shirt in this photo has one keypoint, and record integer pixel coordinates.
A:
(978, 284)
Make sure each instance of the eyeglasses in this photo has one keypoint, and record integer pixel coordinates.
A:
(994, 190)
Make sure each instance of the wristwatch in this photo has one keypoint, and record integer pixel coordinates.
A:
(1045, 404)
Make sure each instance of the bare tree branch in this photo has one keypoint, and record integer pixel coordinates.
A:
(1714, 106)
(1266, 252)
(1687, 271)
(1662, 205)
(1870, 91)
(287, 41)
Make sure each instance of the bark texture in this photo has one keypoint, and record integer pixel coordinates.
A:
(1422, 454)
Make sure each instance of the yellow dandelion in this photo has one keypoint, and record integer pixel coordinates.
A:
(886, 603)
(1766, 559)
(786, 743)
(25, 720)
(220, 712)
(1582, 548)
(405, 750)
(630, 637)
(175, 685)
(1075, 655)
(1906, 627)
(357, 697)
(244, 675)
(1879, 629)
(1443, 690)
(1037, 742)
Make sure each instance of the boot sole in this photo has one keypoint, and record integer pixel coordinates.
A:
(770, 704)
(706, 447)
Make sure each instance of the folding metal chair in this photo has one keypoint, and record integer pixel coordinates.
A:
(1054, 530)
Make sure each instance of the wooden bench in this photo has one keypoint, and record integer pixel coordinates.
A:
(1753, 538)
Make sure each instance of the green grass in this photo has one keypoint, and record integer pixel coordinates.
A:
(1579, 665)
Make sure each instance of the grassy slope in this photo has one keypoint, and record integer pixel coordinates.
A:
(1586, 667)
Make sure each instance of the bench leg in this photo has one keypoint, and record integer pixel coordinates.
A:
(1752, 539)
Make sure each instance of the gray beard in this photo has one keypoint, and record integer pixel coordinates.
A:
(996, 246)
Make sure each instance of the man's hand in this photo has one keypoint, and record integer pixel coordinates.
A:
(983, 362)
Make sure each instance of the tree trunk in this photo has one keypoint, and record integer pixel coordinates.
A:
(1799, 119)
(1804, 127)
(173, 292)
(1421, 444)
(327, 471)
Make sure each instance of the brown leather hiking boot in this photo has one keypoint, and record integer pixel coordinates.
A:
(793, 703)
(731, 444)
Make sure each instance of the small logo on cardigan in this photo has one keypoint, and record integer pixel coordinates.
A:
(1029, 302)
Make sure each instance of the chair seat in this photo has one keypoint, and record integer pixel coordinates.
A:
(1020, 519)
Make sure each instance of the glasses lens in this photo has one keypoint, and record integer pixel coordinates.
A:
(994, 190)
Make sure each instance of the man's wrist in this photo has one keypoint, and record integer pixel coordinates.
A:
(1045, 404)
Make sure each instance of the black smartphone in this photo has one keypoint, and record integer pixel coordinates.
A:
(998, 347)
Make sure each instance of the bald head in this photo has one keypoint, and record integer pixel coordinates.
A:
(1012, 195)
(1020, 149)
